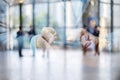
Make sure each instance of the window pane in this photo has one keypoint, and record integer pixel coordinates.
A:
(40, 16)
(3, 25)
(27, 16)
(26, 22)
(116, 16)
(105, 13)
(73, 13)
(73, 22)
(106, 1)
(116, 1)
(116, 28)
(14, 20)
(14, 24)
(57, 19)
(57, 14)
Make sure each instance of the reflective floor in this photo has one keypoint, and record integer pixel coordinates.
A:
(60, 65)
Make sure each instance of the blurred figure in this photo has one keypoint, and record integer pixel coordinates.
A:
(20, 41)
(85, 39)
(31, 33)
(44, 40)
(94, 30)
(90, 37)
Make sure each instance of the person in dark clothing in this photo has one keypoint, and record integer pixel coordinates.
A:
(20, 41)
(94, 30)
(90, 37)
(31, 33)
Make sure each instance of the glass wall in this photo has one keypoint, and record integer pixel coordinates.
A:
(105, 13)
(116, 25)
(40, 16)
(73, 22)
(14, 25)
(50, 14)
(27, 22)
(14, 17)
(3, 25)
(27, 16)
(57, 19)
(56, 14)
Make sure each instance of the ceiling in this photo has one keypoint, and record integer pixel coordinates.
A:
(16, 2)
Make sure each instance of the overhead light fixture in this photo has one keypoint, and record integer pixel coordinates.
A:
(21, 1)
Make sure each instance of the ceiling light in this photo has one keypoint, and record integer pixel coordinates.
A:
(20, 1)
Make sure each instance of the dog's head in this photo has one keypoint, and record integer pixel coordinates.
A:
(49, 33)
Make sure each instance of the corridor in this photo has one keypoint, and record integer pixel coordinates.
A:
(60, 65)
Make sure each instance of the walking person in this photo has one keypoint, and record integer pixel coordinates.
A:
(20, 41)
(31, 33)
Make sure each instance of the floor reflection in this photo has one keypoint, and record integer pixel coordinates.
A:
(60, 65)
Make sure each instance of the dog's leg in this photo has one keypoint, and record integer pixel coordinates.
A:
(33, 49)
(84, 48)
(97, 49)
(48, 53)
(43, 53)
(33, 46)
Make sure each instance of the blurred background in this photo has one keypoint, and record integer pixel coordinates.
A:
(67, 18)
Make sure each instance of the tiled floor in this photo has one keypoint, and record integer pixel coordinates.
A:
(61, 65)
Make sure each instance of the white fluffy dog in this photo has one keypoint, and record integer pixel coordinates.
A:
(44, 40)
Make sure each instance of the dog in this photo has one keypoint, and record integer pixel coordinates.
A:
(89, 42)
(44, 40)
